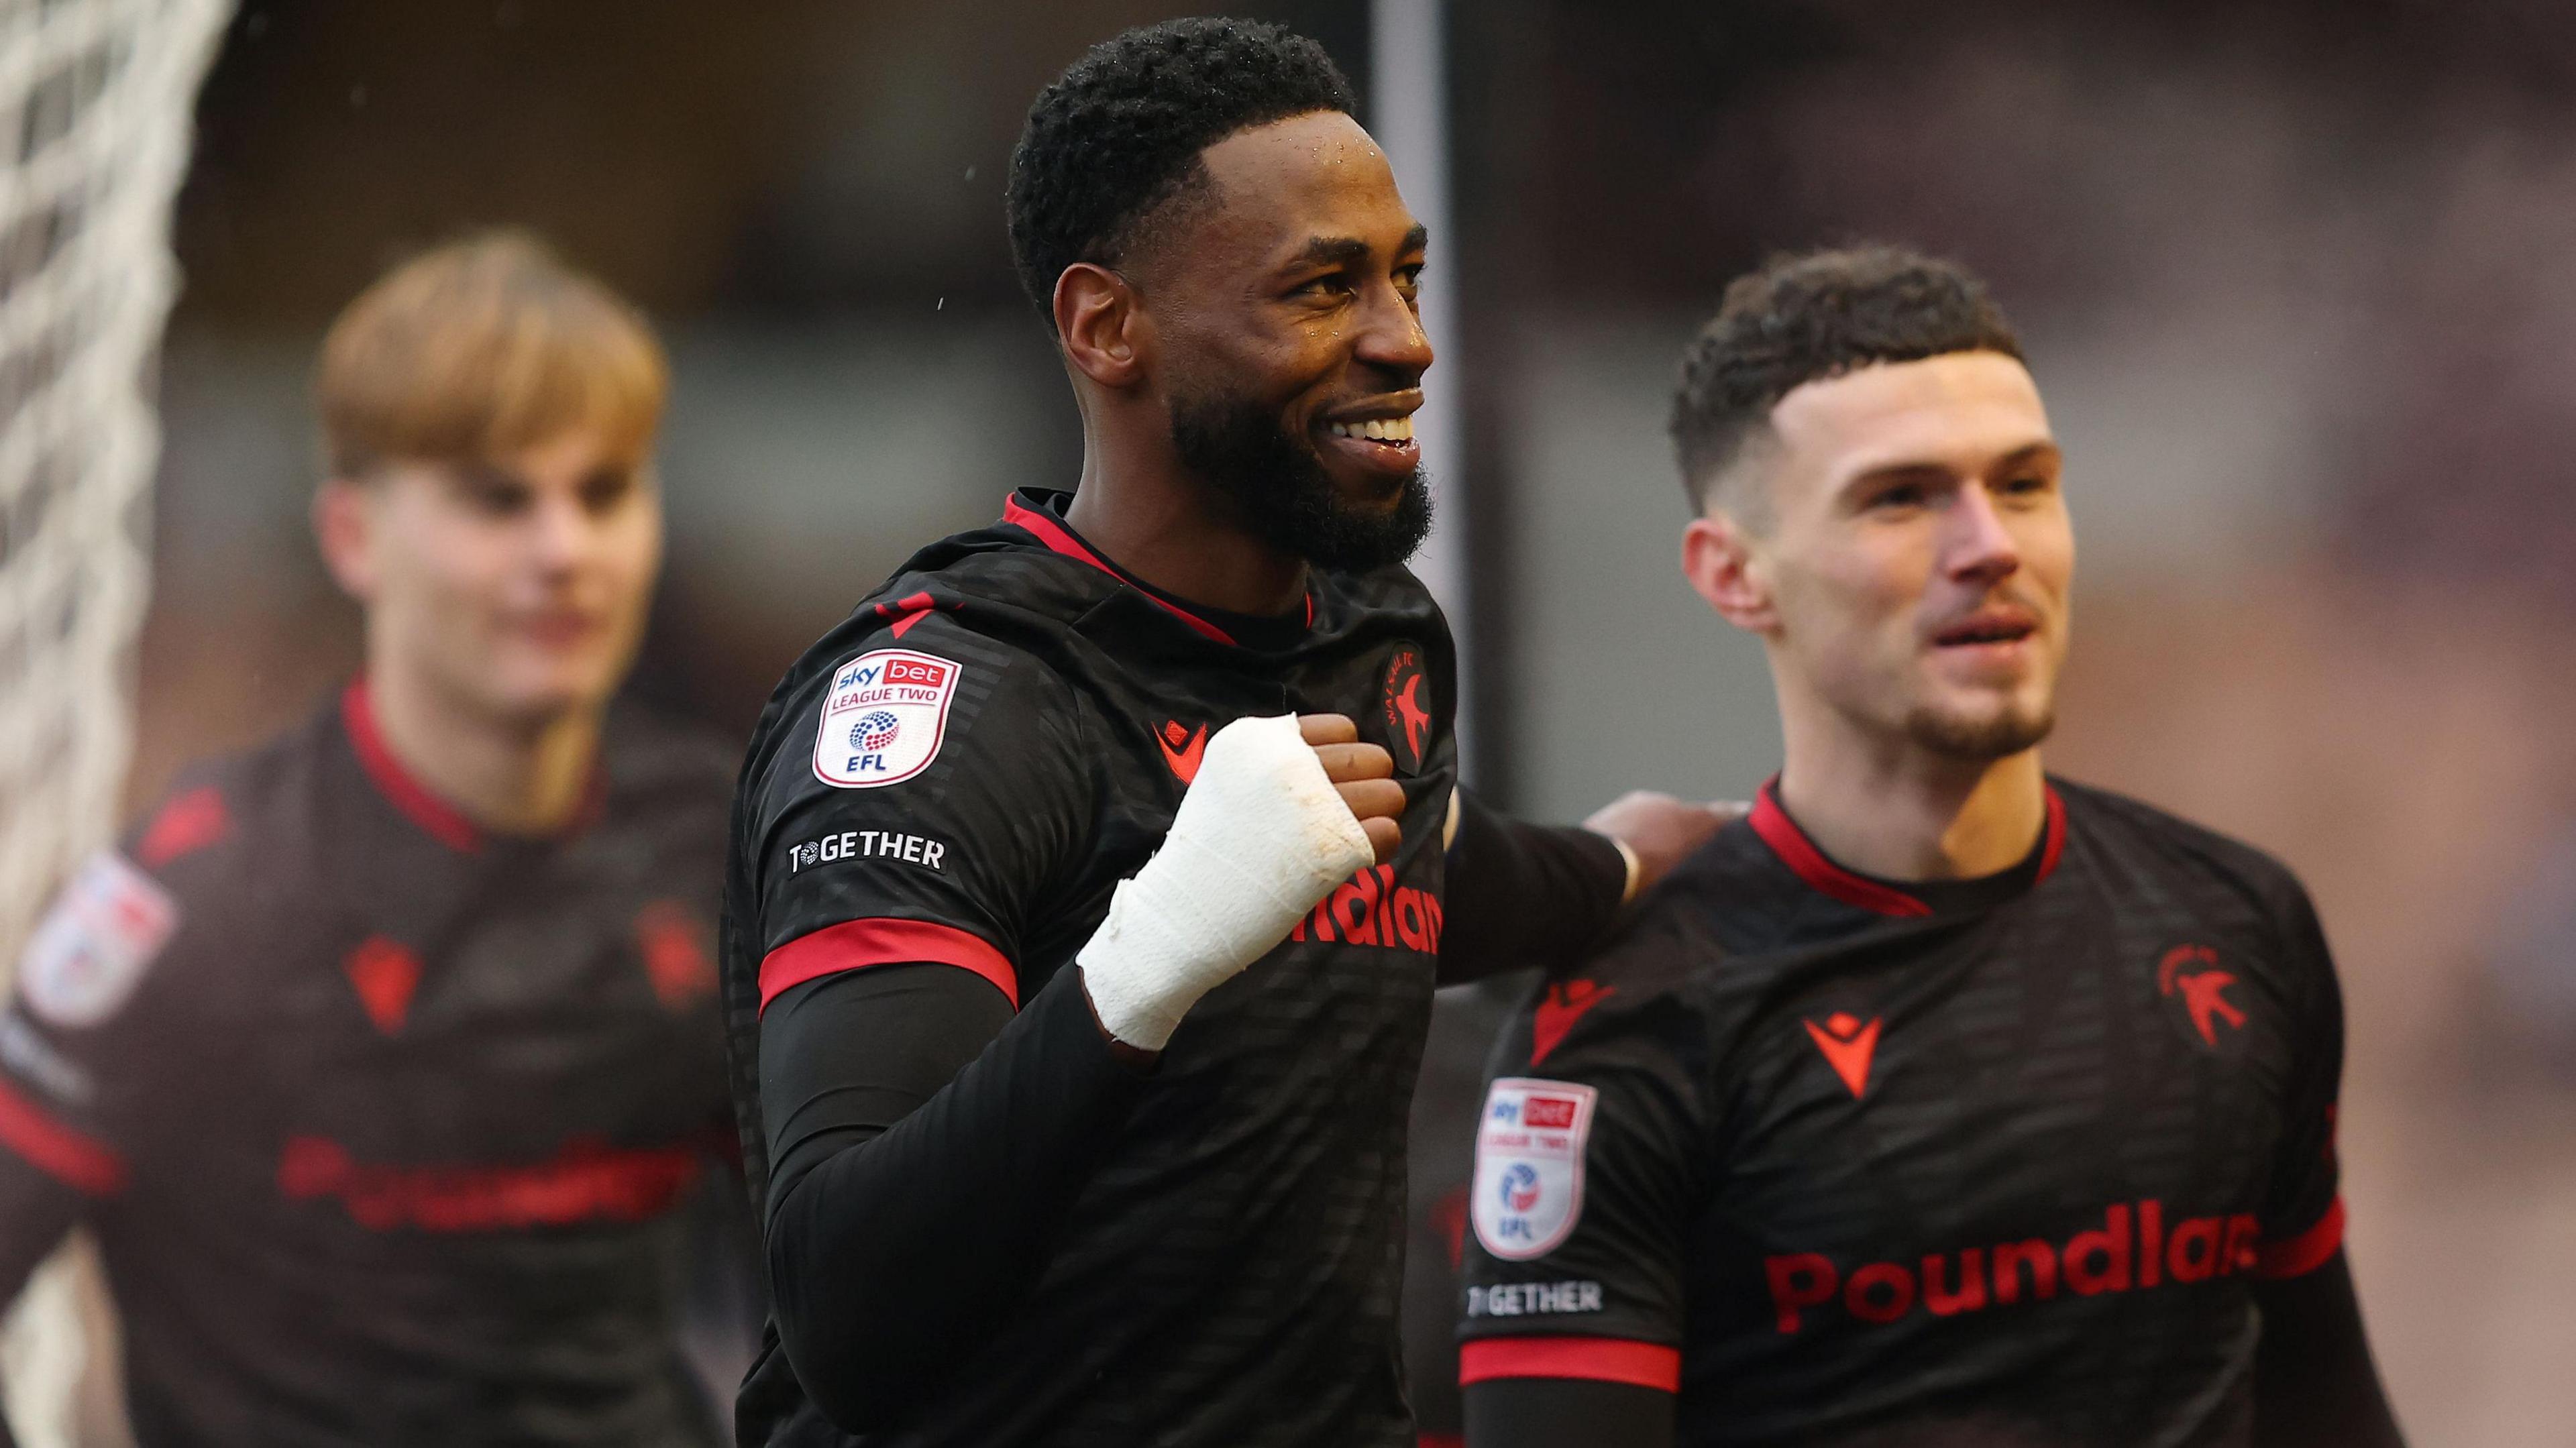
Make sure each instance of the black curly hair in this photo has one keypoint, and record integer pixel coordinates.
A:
(1120, 132)
(1809, 315)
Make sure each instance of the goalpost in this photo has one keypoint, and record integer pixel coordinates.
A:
(96, 98)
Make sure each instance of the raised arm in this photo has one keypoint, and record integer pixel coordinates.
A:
(926, 1129)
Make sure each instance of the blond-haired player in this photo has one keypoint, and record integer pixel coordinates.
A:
(379, 1056)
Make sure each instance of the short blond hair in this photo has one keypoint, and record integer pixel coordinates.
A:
(479, 348)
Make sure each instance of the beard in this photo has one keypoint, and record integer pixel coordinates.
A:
(1279, 491)
(1982, 739)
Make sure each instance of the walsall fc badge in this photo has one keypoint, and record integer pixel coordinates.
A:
(1404, 698)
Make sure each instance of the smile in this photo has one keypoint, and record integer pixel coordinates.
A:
(1394, 430)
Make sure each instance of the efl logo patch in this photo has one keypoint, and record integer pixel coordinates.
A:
(1528, 1192)
(91, 950)
(884, 719)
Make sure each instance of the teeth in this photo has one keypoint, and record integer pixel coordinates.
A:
(1375, 429)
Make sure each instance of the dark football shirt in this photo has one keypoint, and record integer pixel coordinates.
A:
(961, 774)
(380, 1121)
(1845, 1161)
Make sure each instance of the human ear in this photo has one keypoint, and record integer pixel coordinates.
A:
(1104, 332)
(1725, 566)
(344, 525)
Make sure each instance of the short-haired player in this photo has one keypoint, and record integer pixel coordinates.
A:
(1940, 1101)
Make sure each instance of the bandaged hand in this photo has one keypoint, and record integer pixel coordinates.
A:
(1272, 822)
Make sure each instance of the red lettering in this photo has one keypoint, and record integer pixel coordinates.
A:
(1353, 911)
(1407, 915)
(2111, 1246)
(1431, 909)
(2242, 1233)
(586, 1181)
(1800, 1279)
(2042, 1259)
(2151, 1242)
(1900, 1292)
(2193, 1251)
(1323, 918)
(1972, 1284)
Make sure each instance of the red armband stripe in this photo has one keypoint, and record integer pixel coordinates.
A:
(858, 944)
(75, 1160)
(1598, 1359)
(2306, 1252)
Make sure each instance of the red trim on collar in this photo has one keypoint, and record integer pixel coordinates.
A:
(1060, 540)
(1799, 853)
(406, 793)
(2056, 845)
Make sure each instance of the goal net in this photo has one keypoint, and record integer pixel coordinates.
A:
(95, 103)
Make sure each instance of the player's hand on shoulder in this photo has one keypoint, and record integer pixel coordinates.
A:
(1659, 831)
(1364, 776)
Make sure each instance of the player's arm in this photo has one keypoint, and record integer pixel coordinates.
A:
(2315, 1385)
(1571, 1327)
(92, 1032)
(928, 1131)
(2314, 1382)
(1524, 896)
(1562, 1412)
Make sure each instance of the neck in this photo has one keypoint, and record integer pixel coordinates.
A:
(1893, 809)
(1161, 523)
(509, 777)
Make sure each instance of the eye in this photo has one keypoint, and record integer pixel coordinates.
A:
(1331, 286)
(493, 494)
(603, 490)
(1898, 496)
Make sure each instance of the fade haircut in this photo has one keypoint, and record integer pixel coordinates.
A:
(1806, 316)
(1118, 135)
(476, 349)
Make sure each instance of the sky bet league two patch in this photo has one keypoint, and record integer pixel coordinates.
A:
(1529, 1166)
(884, 718)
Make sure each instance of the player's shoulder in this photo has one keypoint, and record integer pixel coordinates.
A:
(198, 874)
(2182, 851)
(1639, 1001)
(229, 817)
(934, 682)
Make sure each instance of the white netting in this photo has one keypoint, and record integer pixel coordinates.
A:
(95, 103)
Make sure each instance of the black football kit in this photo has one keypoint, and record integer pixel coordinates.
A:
(1837, 1160)
(381, 1122)
(985, 1228)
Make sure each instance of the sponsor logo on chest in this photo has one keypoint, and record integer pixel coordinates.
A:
(1372, 909)
(2132, 1249)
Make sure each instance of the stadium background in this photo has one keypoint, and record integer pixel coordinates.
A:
(2294, 279)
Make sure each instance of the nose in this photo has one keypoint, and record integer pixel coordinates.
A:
(1976, 546)
(1391, 337)
(560, 534)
